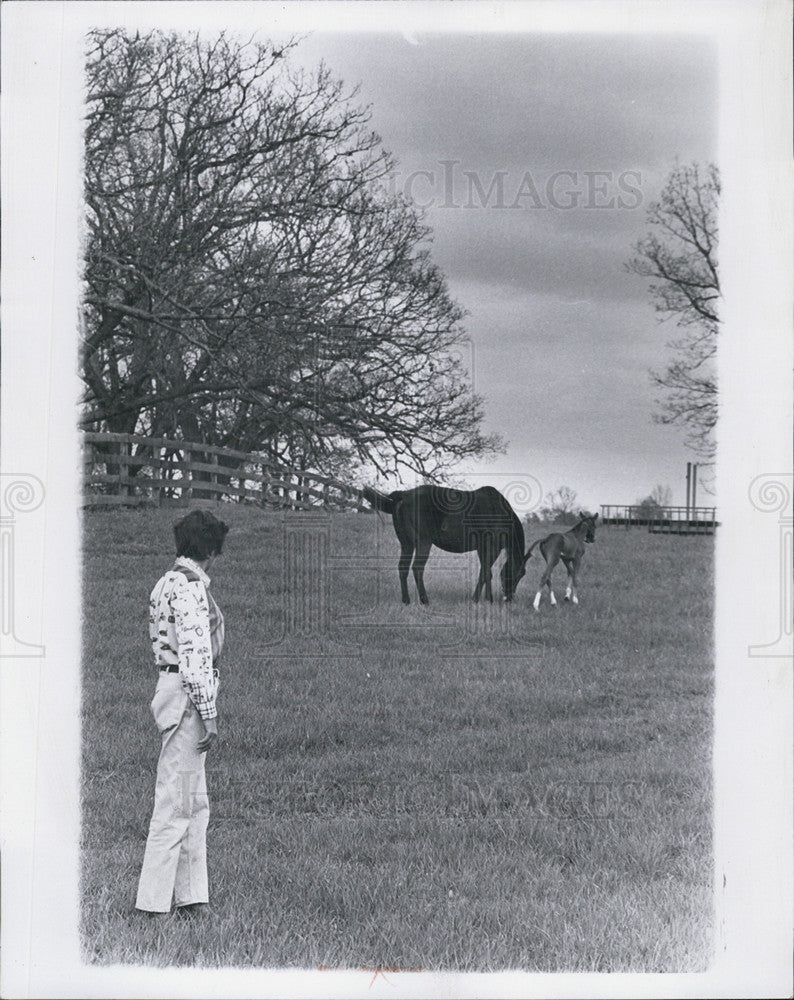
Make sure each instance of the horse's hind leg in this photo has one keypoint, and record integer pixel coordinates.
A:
(536, 602)
(402, 568)
(551, 561)
(420, 560)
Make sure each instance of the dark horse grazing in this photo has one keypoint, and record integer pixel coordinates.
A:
(456, 521)
(570, 548)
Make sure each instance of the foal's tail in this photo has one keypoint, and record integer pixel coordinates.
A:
(530, 550)
(378, 500)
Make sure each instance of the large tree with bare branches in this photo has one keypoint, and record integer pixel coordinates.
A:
(679, 255)
(249, 280)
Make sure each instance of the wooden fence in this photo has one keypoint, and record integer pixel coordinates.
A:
(664, 520)
(128, 469)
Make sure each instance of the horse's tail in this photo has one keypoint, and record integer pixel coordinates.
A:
(380, 501)
(530, 550)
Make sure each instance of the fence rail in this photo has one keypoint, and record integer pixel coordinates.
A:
(130, 469)
(662, 520)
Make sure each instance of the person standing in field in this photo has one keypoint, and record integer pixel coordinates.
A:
(187, 631)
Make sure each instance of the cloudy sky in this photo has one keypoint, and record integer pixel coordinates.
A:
(573, 135)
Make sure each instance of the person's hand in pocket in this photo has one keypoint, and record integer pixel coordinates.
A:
(210, 735)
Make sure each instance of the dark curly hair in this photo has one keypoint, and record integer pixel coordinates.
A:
(199, 535)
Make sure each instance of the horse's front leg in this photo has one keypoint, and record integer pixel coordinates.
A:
(484, 580)
(402, 568)
(570, 583)
(488, 581)
(487, 559)
(420, 560)
(574, 572)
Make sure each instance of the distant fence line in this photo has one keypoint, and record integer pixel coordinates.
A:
(130, 469)
(664, 520)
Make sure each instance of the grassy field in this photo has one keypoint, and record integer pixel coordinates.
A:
(426, 788)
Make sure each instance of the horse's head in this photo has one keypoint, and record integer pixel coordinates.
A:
(512, 572)
(589, 522)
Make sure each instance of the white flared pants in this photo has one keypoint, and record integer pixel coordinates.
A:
(175, 860)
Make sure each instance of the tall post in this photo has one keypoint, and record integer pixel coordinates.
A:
(688, 487)
(694, 489)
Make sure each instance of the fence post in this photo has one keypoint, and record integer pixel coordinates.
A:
(158, 452)
(125, 489)
(187, 472)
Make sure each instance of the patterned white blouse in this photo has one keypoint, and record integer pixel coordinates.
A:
(186, 629)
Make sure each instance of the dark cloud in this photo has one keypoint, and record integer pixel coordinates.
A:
(536, 254)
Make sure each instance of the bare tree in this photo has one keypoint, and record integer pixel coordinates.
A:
(655, 503)
(559, 507)
(248, 280)
(680, 256)
(662, 495)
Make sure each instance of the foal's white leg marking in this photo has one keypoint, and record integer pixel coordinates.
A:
(575, 599)
(568, 594)
(536, 602)
(552, 598)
